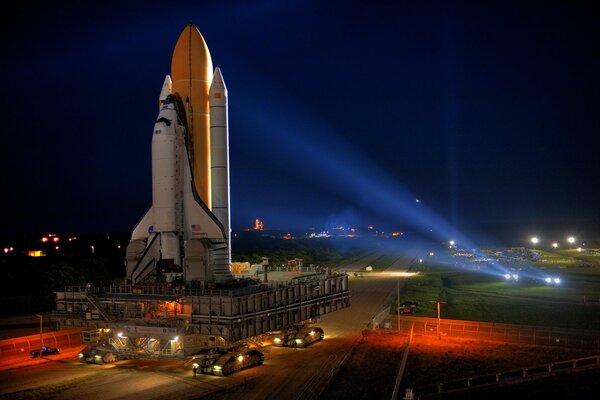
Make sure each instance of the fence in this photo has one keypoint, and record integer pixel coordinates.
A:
(538, 335)
(25, 344)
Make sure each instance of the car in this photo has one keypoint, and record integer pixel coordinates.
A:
(408, 307)
(45, 351)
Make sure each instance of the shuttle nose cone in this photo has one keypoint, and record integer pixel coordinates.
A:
(217, 82)
(191, 62)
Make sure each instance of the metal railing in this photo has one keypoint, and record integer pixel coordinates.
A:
(511, 376)
(179, 291)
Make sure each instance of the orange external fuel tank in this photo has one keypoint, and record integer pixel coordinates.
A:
(192, 74)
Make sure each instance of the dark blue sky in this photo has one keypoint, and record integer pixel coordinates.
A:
(340, 112)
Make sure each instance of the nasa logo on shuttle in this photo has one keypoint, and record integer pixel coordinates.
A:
(151, 229)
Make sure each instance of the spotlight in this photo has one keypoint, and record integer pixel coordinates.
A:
(557, 280)
(507, 276)
(535, 240)
(548, 280)
(515, 277)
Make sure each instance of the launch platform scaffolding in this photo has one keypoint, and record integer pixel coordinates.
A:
(199, 318)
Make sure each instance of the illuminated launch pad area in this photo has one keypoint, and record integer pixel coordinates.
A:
(179, 296)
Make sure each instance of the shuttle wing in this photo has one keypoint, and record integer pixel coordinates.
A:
(143, 228)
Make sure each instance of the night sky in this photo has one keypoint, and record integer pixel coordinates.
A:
(341, 112)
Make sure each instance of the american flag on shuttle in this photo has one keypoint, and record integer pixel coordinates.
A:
(196, 228)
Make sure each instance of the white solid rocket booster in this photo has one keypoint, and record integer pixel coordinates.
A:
(219, 151)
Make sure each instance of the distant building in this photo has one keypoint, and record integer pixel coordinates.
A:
(258, 225)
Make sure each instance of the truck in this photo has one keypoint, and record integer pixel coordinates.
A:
(101, 353)
(298, 336)
(229, 362)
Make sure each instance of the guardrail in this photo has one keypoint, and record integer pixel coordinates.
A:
(512, 376)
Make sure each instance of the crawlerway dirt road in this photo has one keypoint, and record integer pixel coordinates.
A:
(307, 373)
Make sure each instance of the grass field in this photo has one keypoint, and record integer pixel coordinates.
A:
(479, 296)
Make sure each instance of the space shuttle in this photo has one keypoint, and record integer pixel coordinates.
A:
(185, 234)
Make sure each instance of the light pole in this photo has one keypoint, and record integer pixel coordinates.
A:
(41, 336)
(398, 304)
(439, 319)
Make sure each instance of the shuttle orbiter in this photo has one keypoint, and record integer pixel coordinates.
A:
(186, 232)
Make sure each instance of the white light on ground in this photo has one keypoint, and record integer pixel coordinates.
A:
(557, 280)
(555, 245)
(579, 249)
(420, 260)
(452, 243)
(507, 276)
(535, 240)
(515, 277)
(548, 280)
(397, 274)
(431, 253)
(571, 239)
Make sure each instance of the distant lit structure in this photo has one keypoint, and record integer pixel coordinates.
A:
(258, 225)
(35, 253)
(511, 277)
(295, 265)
